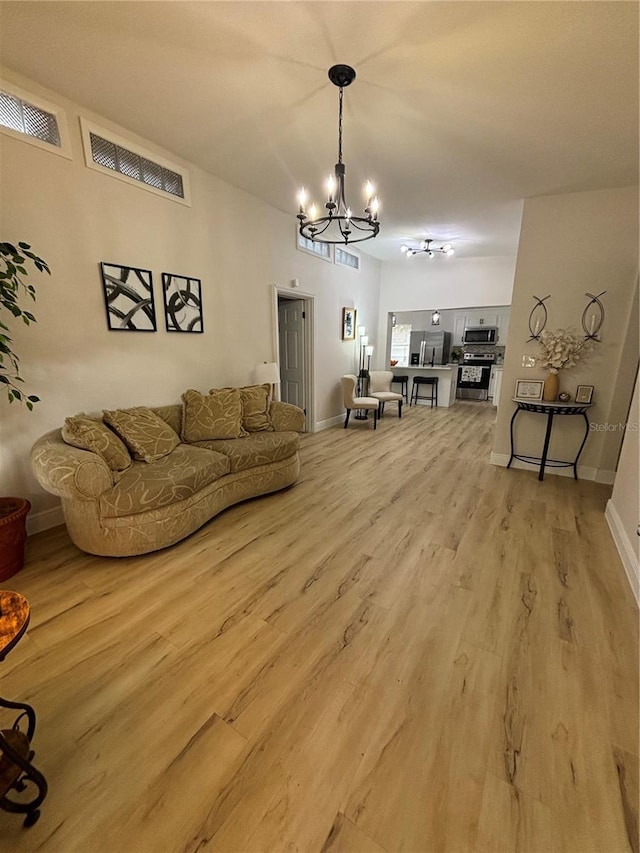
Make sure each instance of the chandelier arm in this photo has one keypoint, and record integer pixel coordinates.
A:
(315, 222)
(368, 222)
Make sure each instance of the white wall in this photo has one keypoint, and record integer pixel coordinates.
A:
(452, 282)
(75, 217)
(623, 510)
(571, 244)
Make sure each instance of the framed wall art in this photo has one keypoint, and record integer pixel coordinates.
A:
(348, 324)
(182, 303)
(128, 298)
(529, 389)
(584, 393)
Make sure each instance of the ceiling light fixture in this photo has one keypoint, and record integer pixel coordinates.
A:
(427, 248)
(339, 225)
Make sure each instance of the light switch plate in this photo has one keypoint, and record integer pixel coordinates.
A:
(528, 361)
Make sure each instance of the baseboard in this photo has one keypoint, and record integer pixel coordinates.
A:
(337, 419)
(43, 520)
(627, 554)
(585, 472)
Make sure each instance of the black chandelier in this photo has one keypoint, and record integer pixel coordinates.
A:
(339, 225)
(427, 248)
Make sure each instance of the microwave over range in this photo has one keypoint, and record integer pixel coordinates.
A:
(480, 335)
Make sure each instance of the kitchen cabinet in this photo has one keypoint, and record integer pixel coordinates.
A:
(503, 327)
(458, 329)
(495, 384)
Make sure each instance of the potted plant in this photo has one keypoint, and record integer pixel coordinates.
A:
(13, 290)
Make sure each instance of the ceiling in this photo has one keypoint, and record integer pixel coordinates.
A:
(459, 110)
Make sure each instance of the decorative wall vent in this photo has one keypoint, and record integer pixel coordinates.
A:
(120, 159)
(110, 154)
(23, 117)
(31, 118)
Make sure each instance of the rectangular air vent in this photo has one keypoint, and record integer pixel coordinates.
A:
(347, 259)
(109, 153)
(32, 119)
(320, 250)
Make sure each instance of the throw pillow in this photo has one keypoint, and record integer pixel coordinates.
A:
(255, 407)
(89, 434)
(146, 435)
(214, 415)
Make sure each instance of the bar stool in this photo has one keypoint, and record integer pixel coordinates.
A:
(404, 385)
(431, 381)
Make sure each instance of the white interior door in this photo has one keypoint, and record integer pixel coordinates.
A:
(291, 319)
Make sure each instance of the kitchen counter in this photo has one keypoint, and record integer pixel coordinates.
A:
(447, 379)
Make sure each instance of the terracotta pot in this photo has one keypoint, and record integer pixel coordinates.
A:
(551, 388)
(13, 534)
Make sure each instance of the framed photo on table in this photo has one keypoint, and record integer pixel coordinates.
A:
(348, 324)
(529, 389)
(584, 393)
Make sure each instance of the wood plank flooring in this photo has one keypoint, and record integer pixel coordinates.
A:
(410, 650)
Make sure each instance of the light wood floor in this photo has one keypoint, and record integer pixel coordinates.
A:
(409, 650)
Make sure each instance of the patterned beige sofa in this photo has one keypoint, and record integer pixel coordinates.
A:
(150, 505)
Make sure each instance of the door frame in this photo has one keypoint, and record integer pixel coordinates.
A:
(308, 345)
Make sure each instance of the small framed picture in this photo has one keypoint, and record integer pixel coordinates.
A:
(584, 393)
(348, 324)
(529, 389)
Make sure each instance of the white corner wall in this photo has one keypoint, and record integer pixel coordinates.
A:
(623, 510)
(571, 244)
(421, 283)
(237, 245)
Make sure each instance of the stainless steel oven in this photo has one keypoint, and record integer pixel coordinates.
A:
(474, 375)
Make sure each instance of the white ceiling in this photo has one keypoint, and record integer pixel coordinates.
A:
(459, 110)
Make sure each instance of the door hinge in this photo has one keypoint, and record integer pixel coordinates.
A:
(305, 411)
(304, 315)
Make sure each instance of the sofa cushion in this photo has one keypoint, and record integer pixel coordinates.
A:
(255, 407)
(173, 478)
(217, 414)
(146, 435)
(90, 434)
(259, 448)
(171, 415)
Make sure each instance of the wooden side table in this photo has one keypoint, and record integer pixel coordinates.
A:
(17, 773)
(550, 410)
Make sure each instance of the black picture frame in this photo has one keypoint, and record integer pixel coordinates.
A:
(182, 300)
(128, 298)
(584, 393)
(529, 389)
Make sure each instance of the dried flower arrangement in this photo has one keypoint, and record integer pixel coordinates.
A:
(562, 348)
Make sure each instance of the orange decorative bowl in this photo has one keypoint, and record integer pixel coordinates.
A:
(393, 362)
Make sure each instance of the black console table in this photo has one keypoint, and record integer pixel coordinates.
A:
(17, 773)
(550, 410)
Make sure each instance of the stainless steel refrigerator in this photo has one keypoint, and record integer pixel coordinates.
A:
(429, 348)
